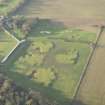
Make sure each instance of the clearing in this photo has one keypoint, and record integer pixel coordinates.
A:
(55, 56)
(7, 43)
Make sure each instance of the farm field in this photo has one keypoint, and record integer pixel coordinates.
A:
(58, 52)
(64, 9)
(55, 57)
(92, 89)
(6, 44)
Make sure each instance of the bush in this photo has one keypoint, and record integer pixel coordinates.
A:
(44, 76)
(68, 58)
(26, 64)
(43, 45)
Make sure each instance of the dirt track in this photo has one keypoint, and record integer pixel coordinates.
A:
(92, 89)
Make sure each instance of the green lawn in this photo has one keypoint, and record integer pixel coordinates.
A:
(53, 63)
(6, 44)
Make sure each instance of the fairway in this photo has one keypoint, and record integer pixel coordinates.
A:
(7, 43)
(64, 9)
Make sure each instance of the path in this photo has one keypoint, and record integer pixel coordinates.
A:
(14, 47)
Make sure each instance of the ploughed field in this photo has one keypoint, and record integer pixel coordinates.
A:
(63, 9)
(54, 60)
(92, 89)
(7, 43)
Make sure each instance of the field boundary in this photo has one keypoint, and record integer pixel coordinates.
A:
(10, 34)
(18, 43)
(99, 33)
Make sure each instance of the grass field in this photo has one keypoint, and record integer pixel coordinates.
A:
(43, 64)
(92, 90)
(64, 9)
(6, 44)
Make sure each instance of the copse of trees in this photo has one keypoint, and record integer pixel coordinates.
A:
(17, 25)
(11, 94)
(10, 6)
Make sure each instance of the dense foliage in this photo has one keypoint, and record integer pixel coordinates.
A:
(11, 94)
(69, 57)
(9, 6)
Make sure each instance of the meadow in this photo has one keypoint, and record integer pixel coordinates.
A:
(54, 60)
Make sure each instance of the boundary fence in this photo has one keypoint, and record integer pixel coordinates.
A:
(99, 33)
(18, 43)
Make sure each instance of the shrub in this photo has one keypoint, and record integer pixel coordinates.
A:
(44, 76)
(43, 45)
(67, 58)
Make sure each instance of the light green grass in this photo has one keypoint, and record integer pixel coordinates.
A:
(46, 28)
(44, 76)
(66, 75)
(6, 44)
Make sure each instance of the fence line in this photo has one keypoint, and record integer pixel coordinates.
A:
(18, 43)
(87, 64)
(7, 32)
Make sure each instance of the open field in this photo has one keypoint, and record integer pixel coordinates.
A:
(92, 89)
(64, 9)
(6, 44)
(54, 57)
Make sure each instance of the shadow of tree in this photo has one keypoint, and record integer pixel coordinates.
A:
(47, 25)
(22, 10)
(52, 94)
(78, 103)
(24, 81)
(19, 51)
